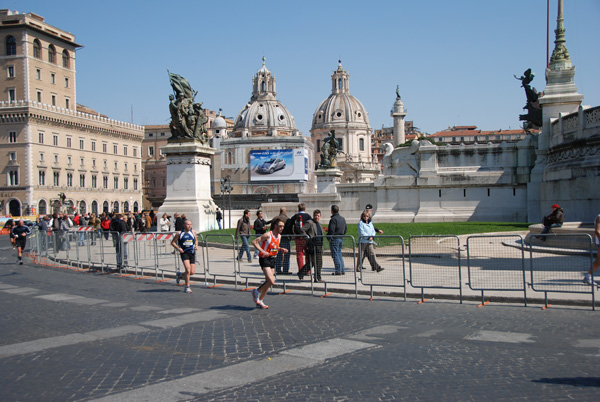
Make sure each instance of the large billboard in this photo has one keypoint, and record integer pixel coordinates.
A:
(279, 165)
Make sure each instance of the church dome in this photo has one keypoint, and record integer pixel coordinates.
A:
(340, 109)
(219, 122)
(264, 114)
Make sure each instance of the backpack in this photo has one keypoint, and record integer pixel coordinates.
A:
(299, 224)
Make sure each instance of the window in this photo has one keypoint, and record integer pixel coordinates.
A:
(67, 103)
(66, 82)
(125, 166)
(12, 156)
(151, 151)
(10, 71)
(37, 49)
(39, 96)
(13, 178)
(94, 146)
(94, 181)
(55, 140)
(151, 135)
(135, 167)
(52, 54)
(93, 162)
(125, 150)
(53, 100)
(66, 59)
(41, 156)
(68, 142)
(104, 147)
(12, 95)
(11, 46)
(341, 141)
(116, 166)
(81, 143)
(55, 158)
(82, 162)
(361, 144)
(38, 74)
(105, 164)
(69, 160)
(12, 136)
(105, 182)
(69, 179)
(126, 183)
(115, 149)
(56, 178)
(81, 180)
(52, 78)
(135, 184)
(134, 151)
(116, 183)
(42, 178)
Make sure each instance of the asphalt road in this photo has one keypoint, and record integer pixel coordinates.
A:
(69, 335)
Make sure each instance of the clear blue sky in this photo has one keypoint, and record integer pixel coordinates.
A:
(454, 60)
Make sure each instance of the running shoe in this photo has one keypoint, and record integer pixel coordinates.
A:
(255, 295)
(261, 304)
(588, 281)
(188, 290)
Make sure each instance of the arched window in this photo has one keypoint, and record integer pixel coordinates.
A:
(116, 206)
(82, 208)
(11, 46)
(42, 207)
(95, 207)
(339, 83)
(66, 59)
(263, 86)
(105, 206)
(136, 208)
(52, 54)
(37, 49)
(126, 206)
(361, 144)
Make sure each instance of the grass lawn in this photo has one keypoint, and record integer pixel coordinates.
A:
(410, 229)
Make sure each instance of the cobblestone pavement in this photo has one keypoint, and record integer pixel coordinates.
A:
(78, 336)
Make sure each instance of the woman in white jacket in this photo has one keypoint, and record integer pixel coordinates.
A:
(366, 233)
(165, 223)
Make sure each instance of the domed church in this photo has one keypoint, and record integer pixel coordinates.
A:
(346, 115)
(265, 155)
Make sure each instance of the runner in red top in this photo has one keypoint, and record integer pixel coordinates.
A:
(268, 247)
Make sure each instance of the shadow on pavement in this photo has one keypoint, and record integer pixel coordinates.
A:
(574, 381)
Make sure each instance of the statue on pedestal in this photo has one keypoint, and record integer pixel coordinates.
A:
(188, 120)
(533, 118)
(329, 151)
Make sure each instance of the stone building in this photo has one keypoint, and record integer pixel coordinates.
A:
(470, 134)
(58, 154)
(264, 156)
(345, 114)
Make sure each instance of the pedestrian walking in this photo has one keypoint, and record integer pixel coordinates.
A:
(20, 233)
(336, 229)
(243, 231)
(268, 246)
(219, 218)
(366, 234)
(185, 242)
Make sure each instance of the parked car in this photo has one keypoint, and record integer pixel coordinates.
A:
(270, 166)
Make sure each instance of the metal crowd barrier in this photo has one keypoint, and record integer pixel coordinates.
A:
(435, 262)
(389, 255)
(496, 263)
(556, 269)
(221, 257)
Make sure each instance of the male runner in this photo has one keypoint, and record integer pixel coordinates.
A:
(185, 242)
(268, 247)
(19, 234)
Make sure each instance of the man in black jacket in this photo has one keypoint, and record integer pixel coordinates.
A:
(260, 228)
(119, 227)
(336, 229)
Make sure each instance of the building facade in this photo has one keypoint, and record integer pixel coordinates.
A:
(470, 134)
(59, 155)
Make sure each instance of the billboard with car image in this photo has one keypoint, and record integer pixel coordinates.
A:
(279, 165)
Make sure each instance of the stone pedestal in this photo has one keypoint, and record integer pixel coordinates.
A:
(328, 179)
(188, 184)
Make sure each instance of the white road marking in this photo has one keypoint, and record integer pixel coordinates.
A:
(241, 373)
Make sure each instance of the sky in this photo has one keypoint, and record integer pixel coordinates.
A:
(453, 61)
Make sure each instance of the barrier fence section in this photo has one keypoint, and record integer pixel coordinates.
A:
(434, 262)
(556, 269)
(386, 262)
(496, 263)
(221, 258)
